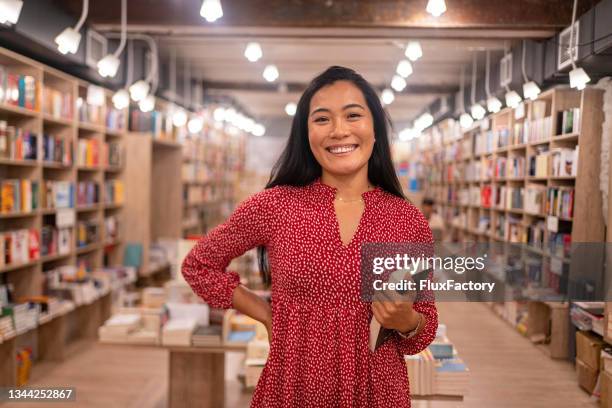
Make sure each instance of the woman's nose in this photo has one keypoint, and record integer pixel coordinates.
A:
(340, 129)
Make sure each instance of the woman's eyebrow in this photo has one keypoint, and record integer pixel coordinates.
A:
(349, 106)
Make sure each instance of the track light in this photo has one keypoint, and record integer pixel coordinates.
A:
(387, 96)
(408, 134)
(436, 7)
(270, 73)
(195, 124)
(253, 52)
(68, 40)
(139, 90)
(259, 130)
(466, 121)
(10, 11)
(211, 10)
(494, 105)
(290, 108)
(398, 83)
(108, 66)
(147, 104)
(179, 118)
(121, 99)
(531, 90)
(404, 68)
(413, 51)
(424, 121)
(477, 111)
(512, 99)
(219, 114)
(95, 95)
(579, 78)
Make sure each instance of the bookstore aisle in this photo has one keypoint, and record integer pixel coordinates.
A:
(505, 370)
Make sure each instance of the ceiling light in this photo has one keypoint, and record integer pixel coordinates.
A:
(413, 51)
(68, 40)
(253, 52)
(436, 7)
(408, 134)
(147, 104)
(108, 66)
(195, 124)
(531, 90)
(270, 73)
(478, 112)
(387, 96)
(424, 121)
(291, 108)
(494, 105)
(219, 114)
(466, 121)
(139, 90)
(512, 99)
(179, 118)
(259, 130)
(121, 99)
(398, 83)
(10, 11)
(230, 115)
(404, 68)
(95, 95)
(211, 10)
(579, 78)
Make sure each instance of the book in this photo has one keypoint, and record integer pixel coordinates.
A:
(18, 196)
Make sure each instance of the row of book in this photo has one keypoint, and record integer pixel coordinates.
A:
(19, 90)
(57, 103)
(19, 246)
(115, 119)
(568, 121)
(55, 241)
(17, 143)
(23, 317)
(87, 233)
(114, 192)
(553, 201)
(91, 154)
(154, 122)
(89, 113)
(57, 149)
(111, 229)
(18, 195)
(58, 194)
(88, 193)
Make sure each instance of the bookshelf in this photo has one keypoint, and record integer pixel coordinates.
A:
(528, 176)
(54, 141)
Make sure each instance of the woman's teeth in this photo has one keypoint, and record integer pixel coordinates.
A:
(341, 149)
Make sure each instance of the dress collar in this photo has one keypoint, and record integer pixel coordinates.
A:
(330, 191)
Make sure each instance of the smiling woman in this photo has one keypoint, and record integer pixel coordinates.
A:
(333, 189)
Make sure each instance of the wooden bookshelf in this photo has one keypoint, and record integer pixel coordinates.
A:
(462, 170)
(63, 122)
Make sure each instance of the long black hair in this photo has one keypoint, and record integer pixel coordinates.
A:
(297, 165)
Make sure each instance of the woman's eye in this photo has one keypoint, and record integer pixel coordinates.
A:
(354, 115)
(320, 119)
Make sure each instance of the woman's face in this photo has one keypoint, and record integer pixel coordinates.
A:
(340, 128)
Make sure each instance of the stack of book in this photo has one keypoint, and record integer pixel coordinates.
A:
(7, 329)
(88, 153)
(421, 372)
(18, 247)
(560, 202)
(539, 164)
(18, 196)
(535, 197)
(118, 328)
(564, 162)
(115, 119)
(57, 103)
(516, 167)
(57, 150)
(112, 155)
(17, 144)
(58, 194)
(24, 315)
(19, 90)
(88, 193)
(49, 306)
(89, 113)
(178, 331)
(452, 377)
(207, 336)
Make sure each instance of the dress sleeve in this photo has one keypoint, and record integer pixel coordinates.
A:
(204, 268)
(421, 236)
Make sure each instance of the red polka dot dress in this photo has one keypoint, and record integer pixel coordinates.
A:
(320, 355)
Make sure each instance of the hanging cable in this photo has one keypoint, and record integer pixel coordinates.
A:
(83, 17)
(523, 62)
(473, 96)
(488, 74)
(571, 43)
(123, 40)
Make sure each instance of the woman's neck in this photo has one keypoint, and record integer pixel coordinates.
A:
(350, 186)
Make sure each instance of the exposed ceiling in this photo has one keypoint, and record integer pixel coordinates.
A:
(304, 37)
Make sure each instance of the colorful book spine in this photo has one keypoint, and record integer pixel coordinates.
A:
(18, 196)
(17, 144)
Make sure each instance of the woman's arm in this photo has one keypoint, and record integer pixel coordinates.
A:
(204, 268)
